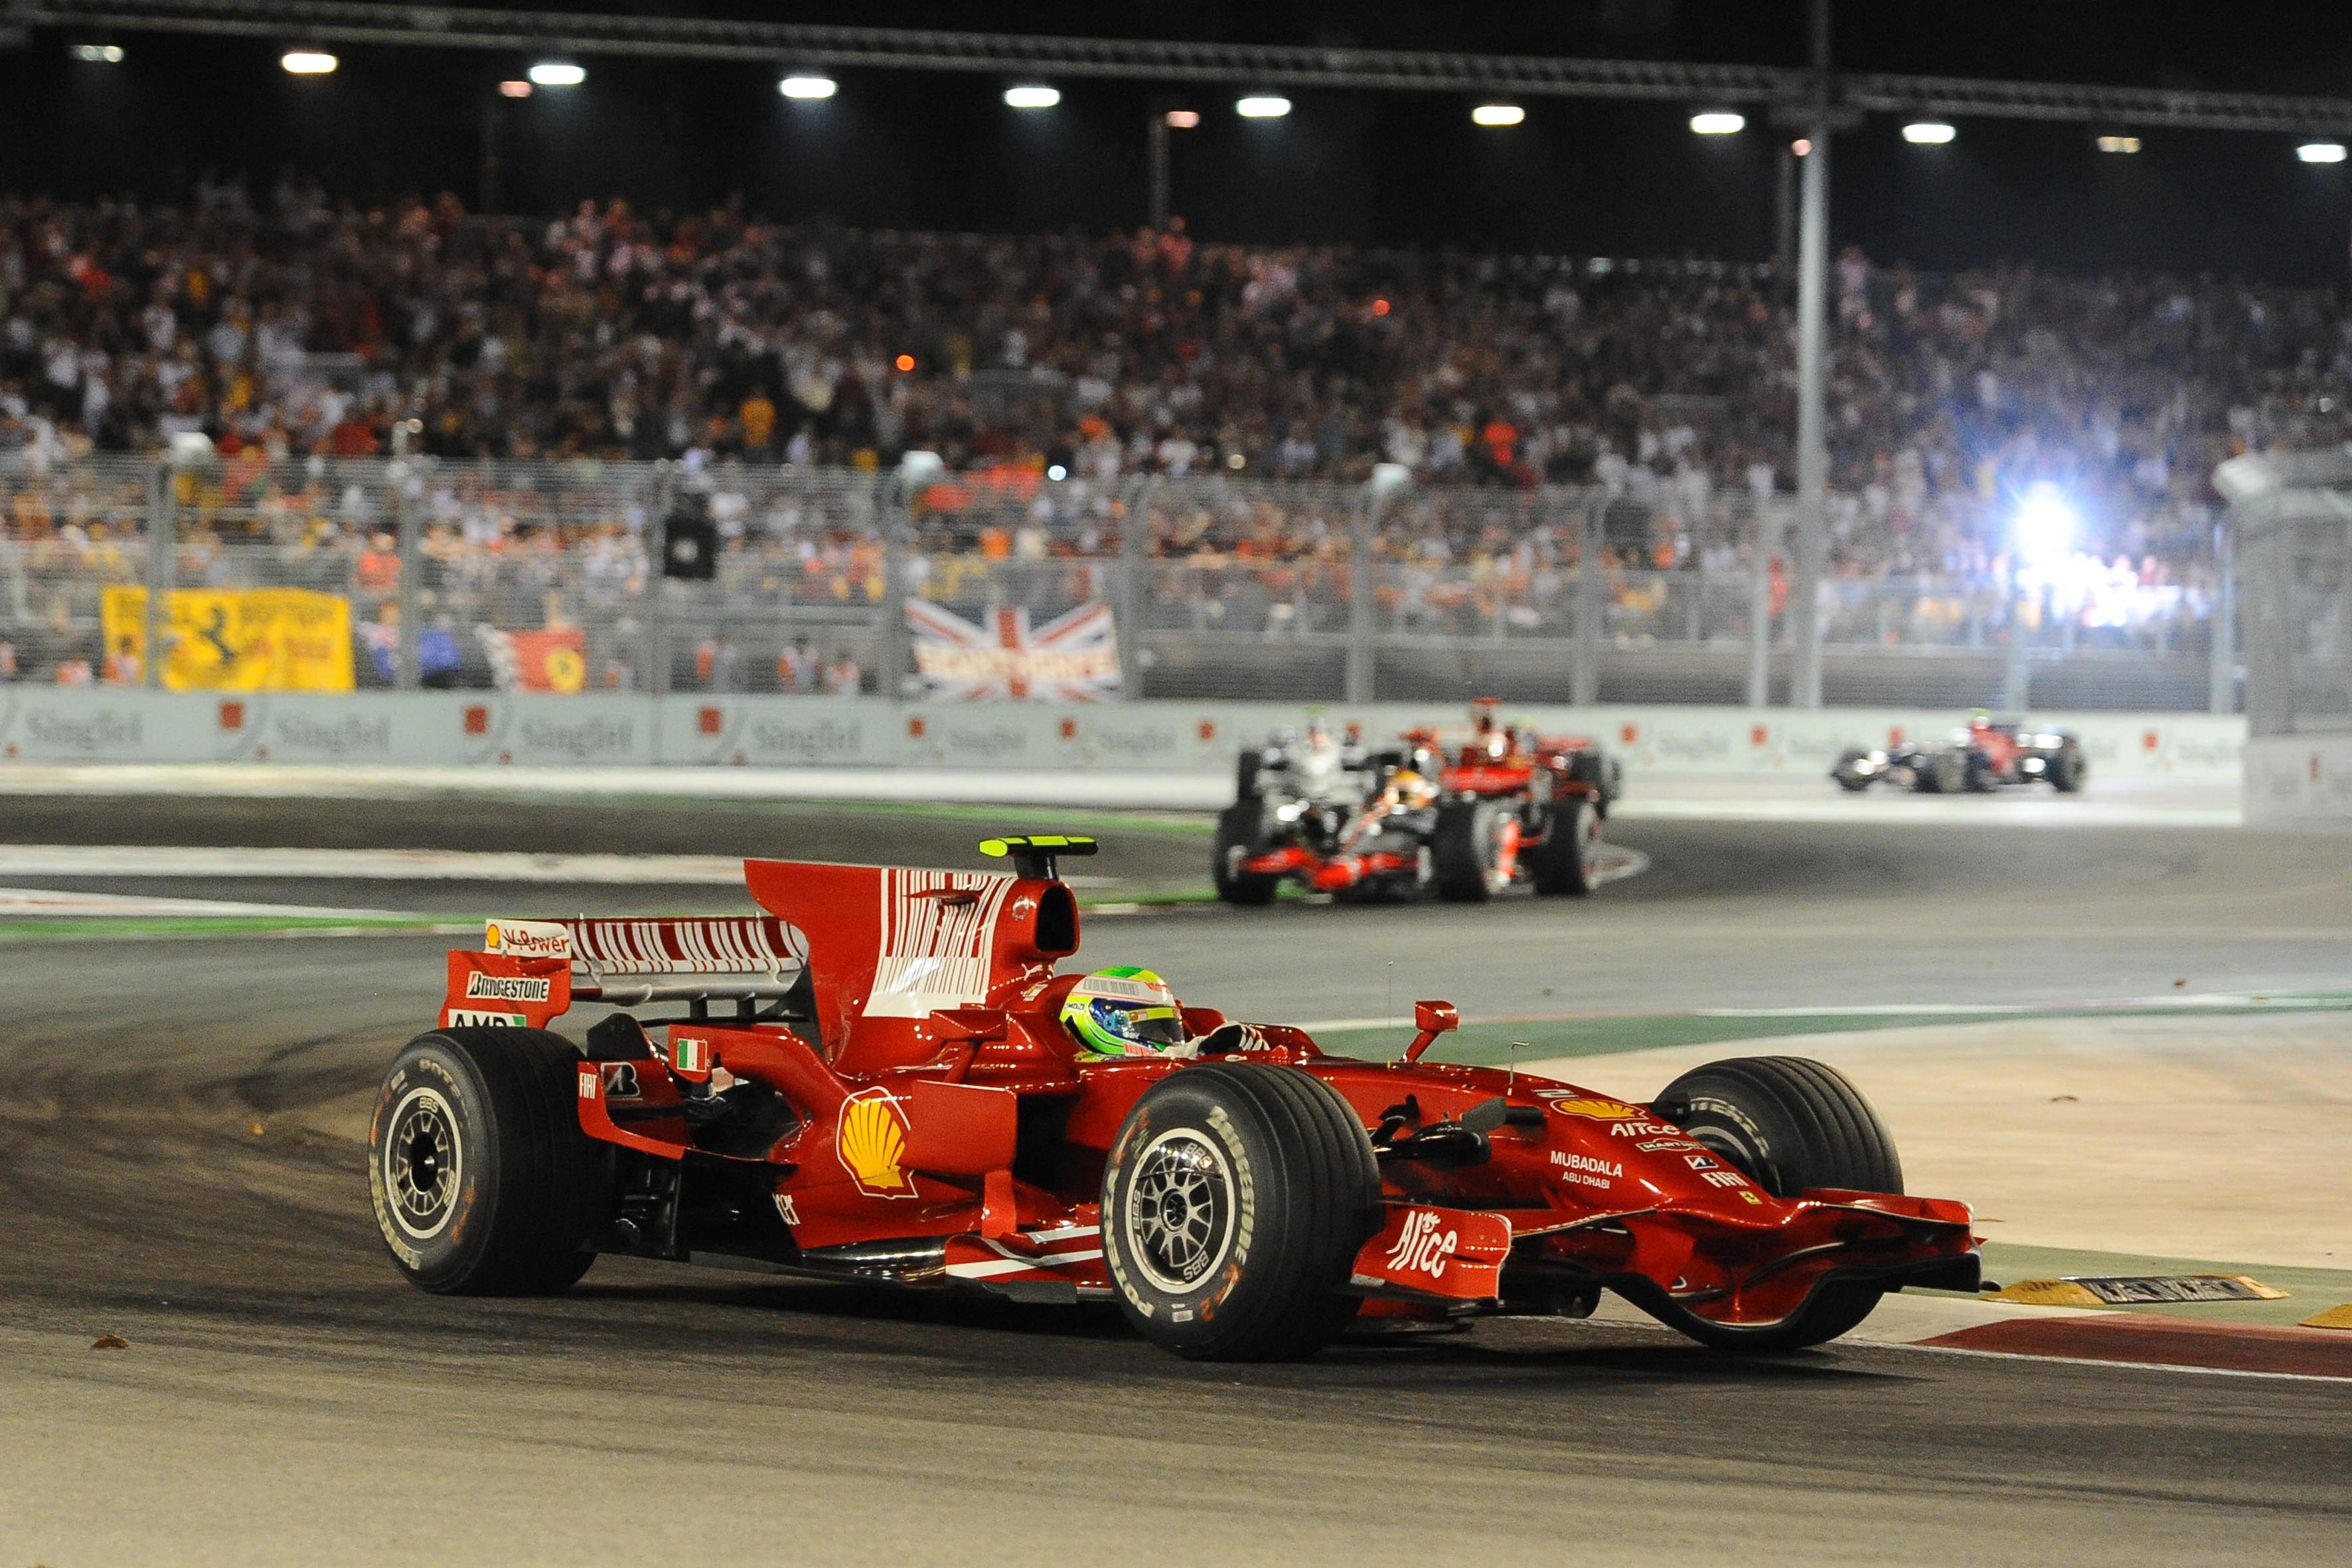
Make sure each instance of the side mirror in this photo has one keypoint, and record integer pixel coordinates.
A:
(1433, 1019)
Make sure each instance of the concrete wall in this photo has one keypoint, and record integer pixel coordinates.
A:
(441, 729)
(2294, 779)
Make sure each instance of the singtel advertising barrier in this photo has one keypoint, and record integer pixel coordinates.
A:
(53, 724)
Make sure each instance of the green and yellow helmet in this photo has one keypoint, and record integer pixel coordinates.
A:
(1123, 1012)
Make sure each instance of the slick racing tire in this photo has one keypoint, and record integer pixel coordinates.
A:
(1465, 851)
(1940, 772)
(1592, 768)
(1844, 773)
(1568, 859)
(2067, 770)
(482, 1181)
(1241, 832)
(1246, 772)
(1789, 1123)
(1234, 1203)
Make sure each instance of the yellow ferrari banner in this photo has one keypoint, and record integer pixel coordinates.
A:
(238, 639)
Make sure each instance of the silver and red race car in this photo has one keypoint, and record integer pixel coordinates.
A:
(871, 1082)
(1464, 816)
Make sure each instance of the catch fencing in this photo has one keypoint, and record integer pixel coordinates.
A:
(1220, 589)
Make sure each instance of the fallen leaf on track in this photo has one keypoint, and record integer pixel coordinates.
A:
(109, 1342)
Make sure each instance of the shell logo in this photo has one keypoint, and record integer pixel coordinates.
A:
(871, 1138)
(491, 937)
(1601, 1109)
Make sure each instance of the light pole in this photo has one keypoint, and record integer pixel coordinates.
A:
(1155, 141)
(1813, 425)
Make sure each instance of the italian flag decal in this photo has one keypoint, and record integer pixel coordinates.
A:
(691, 1056)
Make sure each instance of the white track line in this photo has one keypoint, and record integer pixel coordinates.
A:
(40, 903)
(365, 865)
(2117, 1365)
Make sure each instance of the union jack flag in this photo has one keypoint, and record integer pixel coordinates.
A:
(1072, 660)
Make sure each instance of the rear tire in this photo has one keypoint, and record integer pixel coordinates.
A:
(1241, 832)
(1790, 1124)
(1592, 768)
(483, 1183)
(1941, 774)
(1465, 851)
(1568, 859)
(1234, 1203)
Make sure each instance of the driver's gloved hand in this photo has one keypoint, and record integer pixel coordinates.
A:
(1228, 1037)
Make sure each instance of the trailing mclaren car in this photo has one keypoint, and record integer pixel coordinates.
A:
(1464, 816)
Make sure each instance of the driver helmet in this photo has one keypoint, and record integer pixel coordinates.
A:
(1410, 790)
(1125, 1011)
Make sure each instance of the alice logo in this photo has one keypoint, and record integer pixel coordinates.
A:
(872, 1140)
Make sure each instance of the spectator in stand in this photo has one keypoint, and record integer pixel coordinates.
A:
(123, 667)
(843, 678)
(798, 667)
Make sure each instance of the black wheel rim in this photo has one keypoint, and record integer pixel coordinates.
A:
(424, 1163)
(1178, 1212)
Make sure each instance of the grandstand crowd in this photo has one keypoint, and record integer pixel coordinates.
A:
(1053, 370)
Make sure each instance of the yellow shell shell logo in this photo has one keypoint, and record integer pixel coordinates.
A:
(1600, 1110)
(491, 937)
(872, 1139)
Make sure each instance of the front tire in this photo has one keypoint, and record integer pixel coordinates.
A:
(2067, 770)
(1234, 1203)
(1568, 859)
(482, 1181)
(1790, 1124)
(1241, 832)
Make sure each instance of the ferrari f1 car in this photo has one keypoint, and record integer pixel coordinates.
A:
(1986, 755)
(871, 1083)
(1501, 807)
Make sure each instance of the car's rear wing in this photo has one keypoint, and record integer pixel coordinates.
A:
(530, 970)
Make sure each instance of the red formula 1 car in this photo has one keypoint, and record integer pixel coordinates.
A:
(1988, 754)
(872, 1083)
(1502, 807)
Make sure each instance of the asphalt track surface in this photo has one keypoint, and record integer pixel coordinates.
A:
(174, 1169)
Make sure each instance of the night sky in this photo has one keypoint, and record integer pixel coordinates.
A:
(903, 150)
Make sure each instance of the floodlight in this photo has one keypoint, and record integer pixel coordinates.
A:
(1032, 97)
(308, 62)
(1261, 107)
(1718, 122)
(2118, 143)
(98, 54)
(1928, 133)
(2321, 151)
(1184, 118)
(2043, 528)
(807, 87)
(1498, 114)
(512, 89)
(558, 73)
